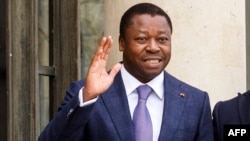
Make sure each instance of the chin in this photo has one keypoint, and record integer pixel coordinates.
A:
(153, 74)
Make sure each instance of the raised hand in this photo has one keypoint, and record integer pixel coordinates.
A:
(98, 80)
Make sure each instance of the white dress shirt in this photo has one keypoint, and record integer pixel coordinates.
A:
(155, 100)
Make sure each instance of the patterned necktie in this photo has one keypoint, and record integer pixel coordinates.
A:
(141, 117)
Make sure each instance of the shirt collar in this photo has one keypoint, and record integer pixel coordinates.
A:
(156, 84)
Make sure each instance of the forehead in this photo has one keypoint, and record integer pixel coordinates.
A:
(147, 18)
(149, 21)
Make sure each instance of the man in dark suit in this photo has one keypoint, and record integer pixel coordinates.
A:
(235, 111)
(101, 107)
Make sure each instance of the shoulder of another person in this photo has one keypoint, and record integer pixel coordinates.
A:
(244, 98)
(247, 94)
(236, 99)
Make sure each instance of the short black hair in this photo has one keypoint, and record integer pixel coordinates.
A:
(139, 9)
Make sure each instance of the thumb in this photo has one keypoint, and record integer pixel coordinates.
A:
(116, 68)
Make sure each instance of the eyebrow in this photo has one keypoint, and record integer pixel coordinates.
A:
(159, 32)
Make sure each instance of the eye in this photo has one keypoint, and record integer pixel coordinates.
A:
(162, 40)
(141, 40)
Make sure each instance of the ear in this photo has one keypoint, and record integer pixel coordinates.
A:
(121, 43)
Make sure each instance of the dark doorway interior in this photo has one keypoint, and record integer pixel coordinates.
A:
(3, 78)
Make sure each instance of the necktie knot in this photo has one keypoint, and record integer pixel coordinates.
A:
(144, 91)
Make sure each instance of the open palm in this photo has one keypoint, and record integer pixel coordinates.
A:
(98, 80)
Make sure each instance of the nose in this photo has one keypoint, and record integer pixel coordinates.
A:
(152, 46)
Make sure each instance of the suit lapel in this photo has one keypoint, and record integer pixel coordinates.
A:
(117, 105)
(174, 104)
(115, 100)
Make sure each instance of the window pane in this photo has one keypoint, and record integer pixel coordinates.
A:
(44, 100)
(43, 52)
(92, 28)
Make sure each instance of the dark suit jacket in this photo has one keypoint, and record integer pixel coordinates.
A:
(232, 111)
(185, 117)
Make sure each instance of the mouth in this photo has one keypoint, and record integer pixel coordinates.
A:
(152, 61)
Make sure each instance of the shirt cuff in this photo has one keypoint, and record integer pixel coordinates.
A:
(82, 104)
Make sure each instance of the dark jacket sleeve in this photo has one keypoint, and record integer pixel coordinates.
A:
(206, 127)
(66, 120)
(216, 123)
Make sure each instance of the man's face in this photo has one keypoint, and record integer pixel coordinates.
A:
(146, 46)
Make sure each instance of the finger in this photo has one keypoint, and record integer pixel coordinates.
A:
(116, 68)
(107, 48)
(99, 50)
